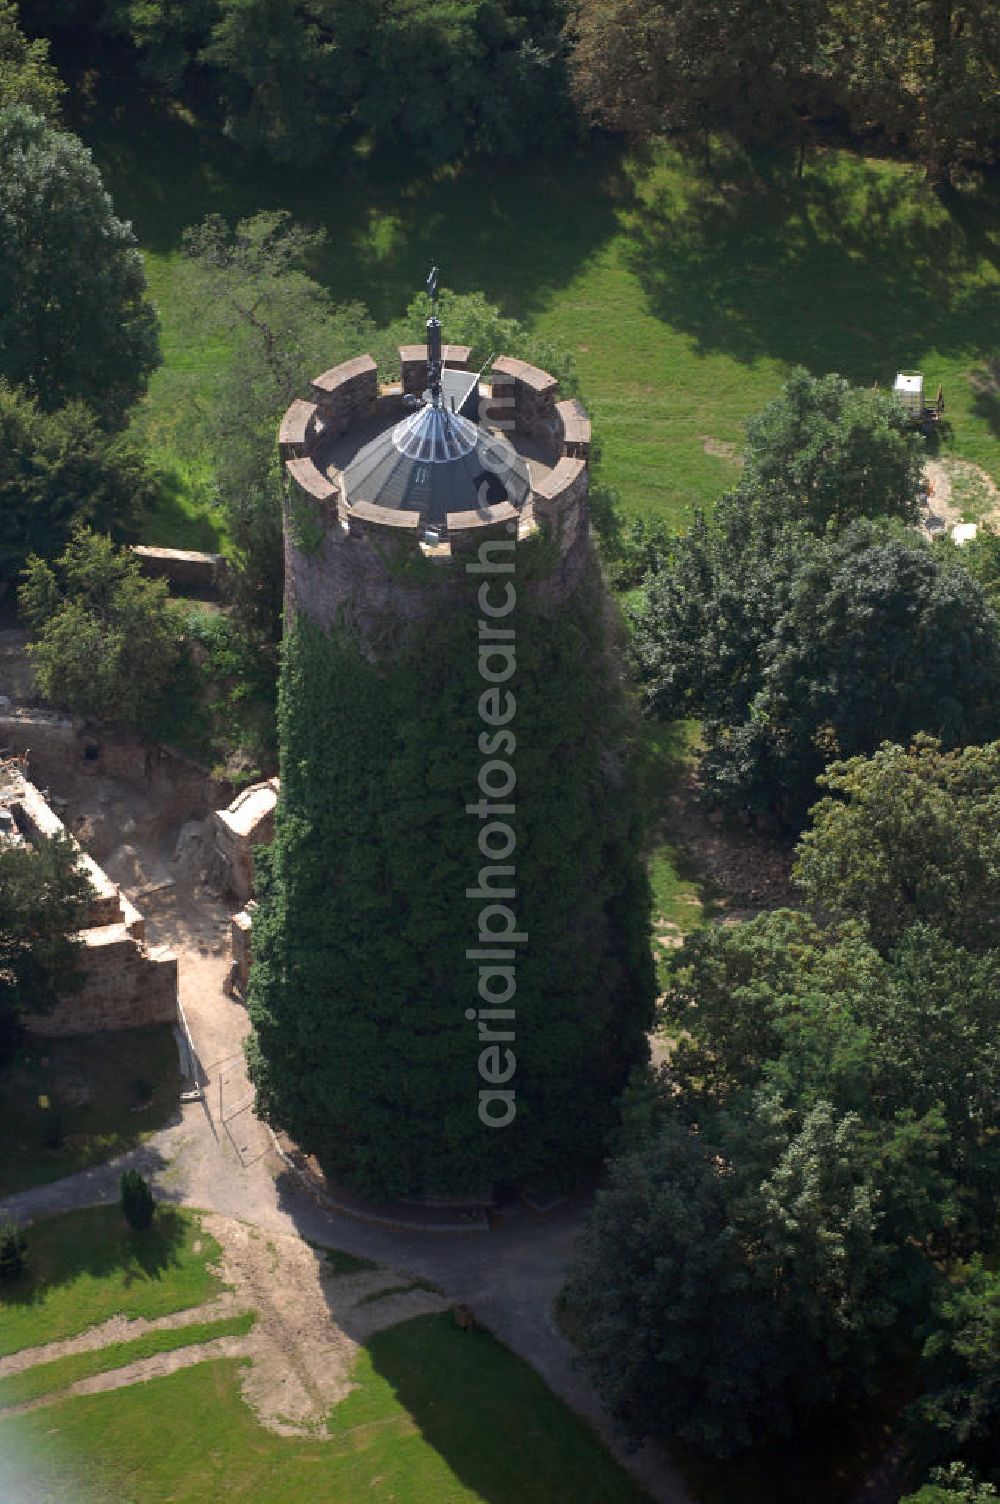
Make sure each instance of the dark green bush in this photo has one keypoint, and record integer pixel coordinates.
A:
(13, 1251)
(136, 1200)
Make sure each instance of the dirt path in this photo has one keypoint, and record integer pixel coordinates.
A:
(140, 1372)
(310, 1322)
(119, 1329)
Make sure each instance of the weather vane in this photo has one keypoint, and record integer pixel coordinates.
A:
(433, 341)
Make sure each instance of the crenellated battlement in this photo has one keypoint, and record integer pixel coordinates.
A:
(350, 553)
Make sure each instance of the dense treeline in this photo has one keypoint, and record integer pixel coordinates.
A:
(802, 1195)
(287, 78)
(926, 73)
(808, 620)
(504, 76)
(805, 1196)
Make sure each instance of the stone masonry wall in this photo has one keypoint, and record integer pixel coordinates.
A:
(184, 568)
(413, 365)
(126, 985)
(371, 565)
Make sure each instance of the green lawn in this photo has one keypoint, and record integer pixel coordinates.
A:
(685, 297)
(66, 1104)
(46, 1378)
(86, 1266)
(437, 1416)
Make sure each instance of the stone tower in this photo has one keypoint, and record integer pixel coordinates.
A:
(374, 479)
(452, 977)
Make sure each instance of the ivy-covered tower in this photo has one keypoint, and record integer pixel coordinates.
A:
(452, 976)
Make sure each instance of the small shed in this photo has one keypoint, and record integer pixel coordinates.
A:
(908, 389)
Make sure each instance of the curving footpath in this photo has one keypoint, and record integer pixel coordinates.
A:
(510, 1278)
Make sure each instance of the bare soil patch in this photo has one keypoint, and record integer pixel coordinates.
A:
(958, 491)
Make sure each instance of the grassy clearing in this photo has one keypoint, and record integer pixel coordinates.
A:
(971, 492)
(105, 1092)
(88, 1265)
(438, 1416)
(685, 297)
(47, 1378)
(680, 898)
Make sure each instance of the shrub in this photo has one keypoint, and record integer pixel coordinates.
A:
(13, 1251)
(136, 1200)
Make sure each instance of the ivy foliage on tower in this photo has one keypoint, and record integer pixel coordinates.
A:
(362, 1047)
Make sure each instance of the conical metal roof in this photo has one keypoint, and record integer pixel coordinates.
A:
(434, 462)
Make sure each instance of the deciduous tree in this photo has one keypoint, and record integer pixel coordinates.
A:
(58, 469)
(106, 642)
(26, 75)
(43, 901)
(75, 322)
(825, 452)
(909, 834)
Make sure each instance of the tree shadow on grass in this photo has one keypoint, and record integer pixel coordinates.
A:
(493, 1420)
(519, 230)
(985, 382)
(859, 267)
(98, 1242)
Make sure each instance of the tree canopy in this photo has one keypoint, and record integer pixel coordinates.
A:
(436, 76)
(252, 281)
(798, 650)
(75, 322)
(825, 452)
(58, 469)
(106, 642)
(43, 901)
(954, 1484)
(831, 1094)
(909, 835)
(26, 75)
(959, 1410)
(928, 74)
(787, 1190)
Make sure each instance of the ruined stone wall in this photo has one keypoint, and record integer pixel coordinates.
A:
(55, 746)
(127, 985)
(184, 568)
(247, 823)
